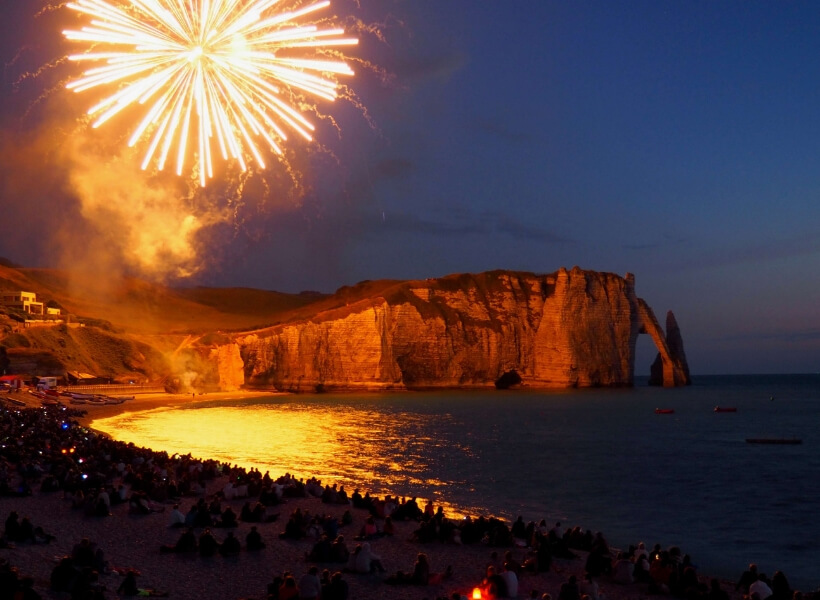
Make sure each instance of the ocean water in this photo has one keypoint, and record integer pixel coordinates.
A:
(599, 458)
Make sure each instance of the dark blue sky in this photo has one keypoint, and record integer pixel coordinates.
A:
(679, 141)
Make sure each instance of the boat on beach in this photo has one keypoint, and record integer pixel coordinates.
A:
(116, 399)
(774, 441)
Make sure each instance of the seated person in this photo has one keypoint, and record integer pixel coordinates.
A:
(337, 589)
(419, 576)
(321, 551)
(230, 547)
(338, 550)
(228, 518)
(366, 561)
(186, 543)
(176, 518)
(247, 514)
(288, 590)
(253, 540)
(128, 587)
(494, 585)
(622, 570)
(368, 530)
(208, 544)
(293, 529)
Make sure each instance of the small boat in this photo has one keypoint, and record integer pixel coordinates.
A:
(725, 409)
(664, 411)
(774, 441)
(114, 399)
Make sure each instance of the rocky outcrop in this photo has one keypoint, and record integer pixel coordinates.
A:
(566, 329)
(670, 367)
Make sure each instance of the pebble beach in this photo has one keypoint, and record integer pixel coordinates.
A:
(131, 541)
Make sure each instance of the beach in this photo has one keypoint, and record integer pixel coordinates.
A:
(132, 541)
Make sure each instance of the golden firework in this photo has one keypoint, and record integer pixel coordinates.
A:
(218, 73)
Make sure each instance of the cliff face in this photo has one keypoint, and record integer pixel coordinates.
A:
(229, 367)
(570, 328)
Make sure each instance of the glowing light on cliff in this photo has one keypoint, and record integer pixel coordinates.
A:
(213, 76)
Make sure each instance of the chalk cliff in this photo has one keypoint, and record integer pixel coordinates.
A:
(229, 366)
(566, 329)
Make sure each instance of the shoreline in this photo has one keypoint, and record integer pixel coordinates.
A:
(142, 402)
(139, 402)
(133, 541)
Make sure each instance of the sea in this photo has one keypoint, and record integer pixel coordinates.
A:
(602, 459)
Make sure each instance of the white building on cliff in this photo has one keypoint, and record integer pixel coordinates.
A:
(25, 301)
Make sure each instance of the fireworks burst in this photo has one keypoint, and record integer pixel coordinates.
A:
(209, 72)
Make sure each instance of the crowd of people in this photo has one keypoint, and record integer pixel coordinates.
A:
(47, 451)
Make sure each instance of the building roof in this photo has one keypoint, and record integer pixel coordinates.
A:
(79, 375)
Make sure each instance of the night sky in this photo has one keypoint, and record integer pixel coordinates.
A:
(679, 141)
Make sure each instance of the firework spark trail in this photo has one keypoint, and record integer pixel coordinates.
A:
(35, 74)
(15, 58)
(49, 8)
(213, 72)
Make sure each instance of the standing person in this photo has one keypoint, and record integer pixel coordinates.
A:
(510, 578)
(748, 577)
(760, 588)
(781, 590)
(309, 586)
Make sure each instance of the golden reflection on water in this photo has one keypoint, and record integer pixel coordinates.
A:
(336, 444)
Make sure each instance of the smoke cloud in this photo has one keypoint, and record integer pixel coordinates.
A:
(150, 222)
